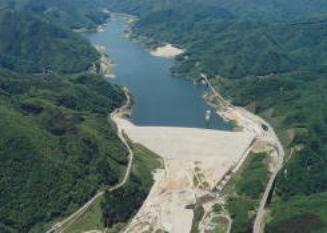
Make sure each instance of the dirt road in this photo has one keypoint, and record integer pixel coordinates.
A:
(188, 154)
(64, 224)
(255, 124)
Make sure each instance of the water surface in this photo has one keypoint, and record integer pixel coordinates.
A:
(160, 99)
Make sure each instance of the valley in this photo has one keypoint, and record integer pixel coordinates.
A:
(189, 116)
(198, 163)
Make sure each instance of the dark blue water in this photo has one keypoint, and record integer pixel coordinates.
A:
(160, 99)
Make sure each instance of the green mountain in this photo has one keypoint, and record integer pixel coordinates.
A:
(72, 14)
(256, 9)
(31, 44)
(268, 56)
(226, 40)
(57, 147)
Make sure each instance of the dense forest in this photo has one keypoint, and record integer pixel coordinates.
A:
(56, 144)
(121, 205)
(31, 44)
(73, 14)
(57, 148)
(268, 56)
(220, 40)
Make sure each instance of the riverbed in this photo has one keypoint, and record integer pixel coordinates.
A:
(159, 98)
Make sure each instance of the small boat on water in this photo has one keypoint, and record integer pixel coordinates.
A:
(208, 115)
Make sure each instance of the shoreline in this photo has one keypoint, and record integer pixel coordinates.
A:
(247, 121)
(149, 216)
(167, 51)
(106, 64)
(157, 49)
(185, 159)
(253, 123)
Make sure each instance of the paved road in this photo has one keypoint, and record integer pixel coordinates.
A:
(63, 225)
(258, 225)
(269, 137)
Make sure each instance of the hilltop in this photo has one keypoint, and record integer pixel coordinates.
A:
(71, 14)
(31, 44)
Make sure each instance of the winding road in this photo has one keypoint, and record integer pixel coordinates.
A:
(251, 122)
(60, 227)
(254, 124)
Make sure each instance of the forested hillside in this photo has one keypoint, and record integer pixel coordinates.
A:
(57, 147)
(72, 13)
(221, 40)
(31, 44)
(271, 10)
(268, 56)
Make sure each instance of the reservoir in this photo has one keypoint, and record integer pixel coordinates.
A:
(159, 98)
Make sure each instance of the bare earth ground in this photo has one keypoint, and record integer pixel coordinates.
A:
(195, 160)
(106, 64)
(267, 138)
(168, 51)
